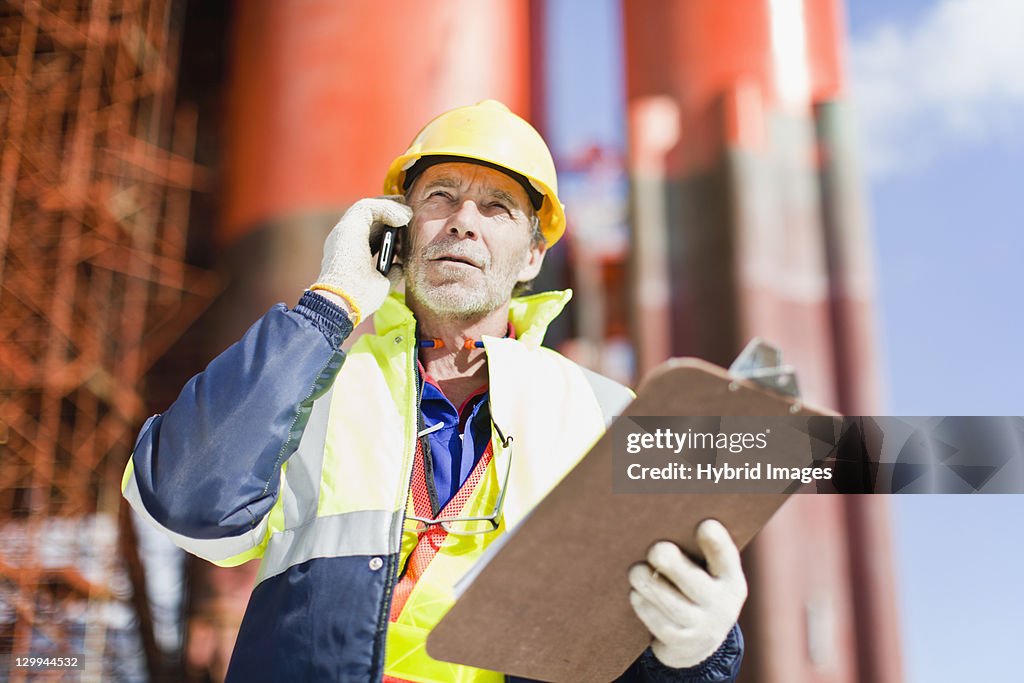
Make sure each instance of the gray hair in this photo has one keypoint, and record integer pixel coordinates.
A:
(536, 239)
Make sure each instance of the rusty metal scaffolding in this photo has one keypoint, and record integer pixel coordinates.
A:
(95, 182)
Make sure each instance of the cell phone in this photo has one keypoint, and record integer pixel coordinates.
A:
(388, 249)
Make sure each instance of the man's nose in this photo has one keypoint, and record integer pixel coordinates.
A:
(465, 222)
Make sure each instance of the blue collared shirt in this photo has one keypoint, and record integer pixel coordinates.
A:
(456, 447)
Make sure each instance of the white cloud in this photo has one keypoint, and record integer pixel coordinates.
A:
(954, 78)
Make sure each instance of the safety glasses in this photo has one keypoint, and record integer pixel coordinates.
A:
(469, 526)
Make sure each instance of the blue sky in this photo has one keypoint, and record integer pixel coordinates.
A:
(938, 90)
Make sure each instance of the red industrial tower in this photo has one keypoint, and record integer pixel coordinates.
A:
(322, 96)
(749, 222)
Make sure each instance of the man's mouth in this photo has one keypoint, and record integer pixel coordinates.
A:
(457, 259)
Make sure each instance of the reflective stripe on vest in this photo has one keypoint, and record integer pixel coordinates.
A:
(415, 608)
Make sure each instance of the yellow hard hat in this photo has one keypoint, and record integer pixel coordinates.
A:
(489, 133)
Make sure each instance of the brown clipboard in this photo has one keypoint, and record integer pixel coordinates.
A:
(552, 604)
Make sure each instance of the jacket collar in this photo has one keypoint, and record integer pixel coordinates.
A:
(530, 315)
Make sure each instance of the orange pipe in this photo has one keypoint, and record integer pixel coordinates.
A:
(323, 94)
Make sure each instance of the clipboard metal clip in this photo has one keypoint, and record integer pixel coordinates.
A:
(761, 363)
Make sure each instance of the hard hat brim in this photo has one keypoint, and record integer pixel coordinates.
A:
(551, 212)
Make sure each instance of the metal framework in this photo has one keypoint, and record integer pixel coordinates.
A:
(95, 180)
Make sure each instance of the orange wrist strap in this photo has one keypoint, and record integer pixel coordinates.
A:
(348, 299)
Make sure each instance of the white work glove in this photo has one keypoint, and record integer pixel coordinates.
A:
(689, 611)
(348, 270)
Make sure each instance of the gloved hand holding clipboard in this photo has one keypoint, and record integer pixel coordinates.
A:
(551, 602)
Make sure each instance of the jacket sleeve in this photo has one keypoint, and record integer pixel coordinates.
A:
(721, 667)
(207, 471)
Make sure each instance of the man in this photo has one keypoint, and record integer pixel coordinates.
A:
(369, 482)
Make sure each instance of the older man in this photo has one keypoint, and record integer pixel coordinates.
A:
(369, 482)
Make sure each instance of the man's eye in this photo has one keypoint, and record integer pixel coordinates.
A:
(440, 193)
(499, 206)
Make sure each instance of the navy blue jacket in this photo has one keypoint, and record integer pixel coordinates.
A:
(324, 619)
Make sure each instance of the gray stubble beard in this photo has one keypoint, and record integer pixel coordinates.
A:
(455, 300)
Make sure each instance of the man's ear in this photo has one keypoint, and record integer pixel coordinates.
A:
(534, 260)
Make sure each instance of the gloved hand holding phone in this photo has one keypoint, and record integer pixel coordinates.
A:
(348, 273)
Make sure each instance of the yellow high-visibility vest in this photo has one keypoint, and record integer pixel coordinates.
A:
(345, 490)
